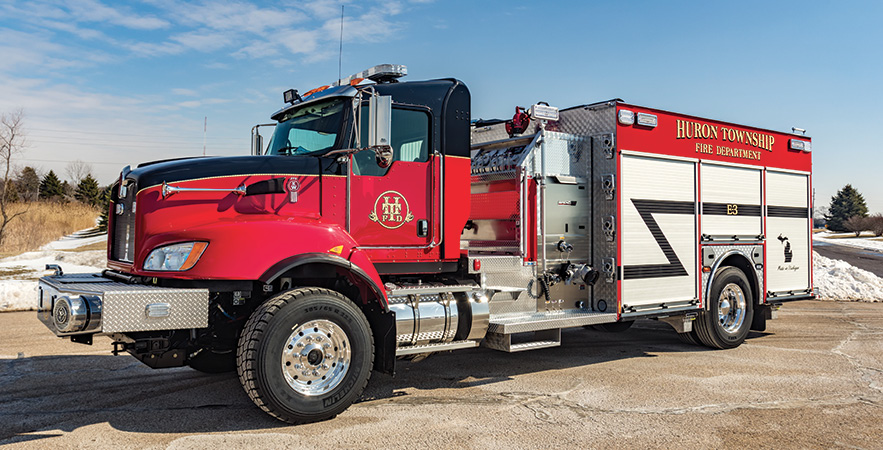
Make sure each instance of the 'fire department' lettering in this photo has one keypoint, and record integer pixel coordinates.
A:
(738, 153)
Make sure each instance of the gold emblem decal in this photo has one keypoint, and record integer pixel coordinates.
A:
(391, 210)
(732, 210)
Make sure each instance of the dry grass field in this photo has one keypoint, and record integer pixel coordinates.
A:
(44, 222)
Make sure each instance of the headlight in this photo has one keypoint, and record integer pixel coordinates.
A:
(175, 257)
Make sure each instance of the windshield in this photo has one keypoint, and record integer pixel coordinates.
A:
(311, 129)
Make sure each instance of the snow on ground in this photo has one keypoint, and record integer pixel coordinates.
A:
(839, 280)
(19, 274)
(865, 241)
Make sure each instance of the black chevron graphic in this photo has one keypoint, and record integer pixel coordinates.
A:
(674, 268)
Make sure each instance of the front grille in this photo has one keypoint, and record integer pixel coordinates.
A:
(123, 245)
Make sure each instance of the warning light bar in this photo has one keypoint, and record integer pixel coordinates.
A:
(802, 146)
(380, 73)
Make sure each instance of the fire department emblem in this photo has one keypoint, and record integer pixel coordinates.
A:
(391, 210)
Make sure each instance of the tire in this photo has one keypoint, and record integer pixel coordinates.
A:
(689, 338)
(208, 361)
(727, 319)
(305, 355)
(614, 327)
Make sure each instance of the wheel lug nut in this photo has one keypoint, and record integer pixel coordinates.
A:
(300, 344)
(325, 366)
(318, 338)
(315, 373)
(298, 366)
(329, 355)
(326, 345)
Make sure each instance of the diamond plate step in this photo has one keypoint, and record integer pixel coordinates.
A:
(539, 339)
(429, 348)
(547, 320)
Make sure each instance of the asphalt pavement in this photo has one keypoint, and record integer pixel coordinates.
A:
(814, 379)
(867, 259)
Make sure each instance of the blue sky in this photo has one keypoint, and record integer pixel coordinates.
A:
(116, 83)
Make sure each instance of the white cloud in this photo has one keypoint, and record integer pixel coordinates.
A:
(298, 41)
(95, 11)
(257, 49)
(203, 41)
(185, 92)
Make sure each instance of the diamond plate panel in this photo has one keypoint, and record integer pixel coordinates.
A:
(124, 306)
(603, 122)
(512, 283)
(125, 310)
(565, 154)
(721, 251)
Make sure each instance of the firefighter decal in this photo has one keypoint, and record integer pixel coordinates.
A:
(391, 210)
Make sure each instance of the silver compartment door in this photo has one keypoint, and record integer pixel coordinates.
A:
(659, 239)
(788, 222)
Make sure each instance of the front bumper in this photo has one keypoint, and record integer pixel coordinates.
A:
(89, 303)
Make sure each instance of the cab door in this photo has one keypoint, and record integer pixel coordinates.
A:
(392, 209)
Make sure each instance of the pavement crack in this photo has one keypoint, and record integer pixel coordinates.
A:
(864, 372)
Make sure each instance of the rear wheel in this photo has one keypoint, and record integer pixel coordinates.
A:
(305, 355)
(727, 320)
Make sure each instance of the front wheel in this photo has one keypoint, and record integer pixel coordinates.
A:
(305, 355)
(727, 320)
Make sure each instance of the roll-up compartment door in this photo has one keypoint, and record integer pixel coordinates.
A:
(788, 261)
(731, 201)
(659, 240)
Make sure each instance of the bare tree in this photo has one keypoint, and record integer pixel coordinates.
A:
(856, 224)
(77, 170)
(876, 224)
(12, 142)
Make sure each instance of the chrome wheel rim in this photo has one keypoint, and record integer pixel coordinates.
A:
(316, 357)
(731, 308)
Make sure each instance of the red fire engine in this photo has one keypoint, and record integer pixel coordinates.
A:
(381, 222)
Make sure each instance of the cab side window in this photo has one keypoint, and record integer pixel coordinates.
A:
(409, 141)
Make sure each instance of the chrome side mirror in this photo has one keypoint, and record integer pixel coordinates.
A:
(379, 120)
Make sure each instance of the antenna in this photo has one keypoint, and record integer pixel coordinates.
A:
(340, 57)
(204, 128)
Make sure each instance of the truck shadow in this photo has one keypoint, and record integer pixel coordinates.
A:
(40, 396)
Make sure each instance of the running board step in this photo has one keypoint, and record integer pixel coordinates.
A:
(538, 339)
(547, 321)
(429, 348)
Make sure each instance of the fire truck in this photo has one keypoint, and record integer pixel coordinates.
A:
(381, 222)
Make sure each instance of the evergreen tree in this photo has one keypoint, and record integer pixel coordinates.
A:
(51, 188)
(28, 184)
(847, 203)
(87, 191)
(103, 205)
(67, 191)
